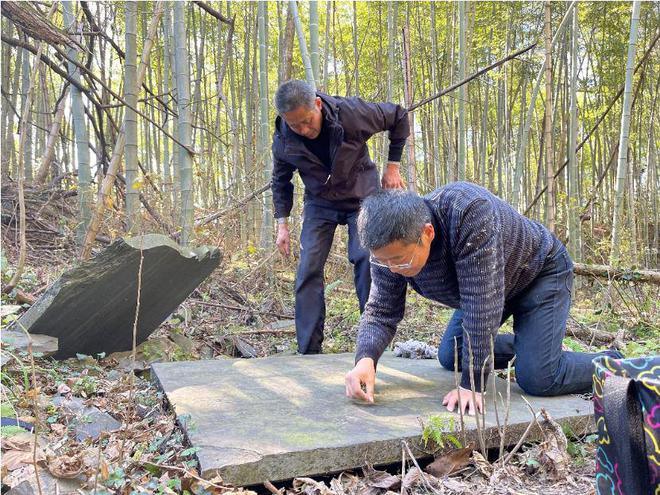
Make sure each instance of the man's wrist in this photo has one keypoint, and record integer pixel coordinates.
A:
(282, 221)
(397, 165)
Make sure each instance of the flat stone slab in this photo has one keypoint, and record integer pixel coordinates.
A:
(277, 418)
(91, 308)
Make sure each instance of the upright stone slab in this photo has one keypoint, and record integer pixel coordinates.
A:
(280, 417)
(91, 308)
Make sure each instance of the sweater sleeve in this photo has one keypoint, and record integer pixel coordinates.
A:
(382, 314)
(479, 261)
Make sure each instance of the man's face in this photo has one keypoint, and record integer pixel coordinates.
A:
(305, 121)
(403, 258)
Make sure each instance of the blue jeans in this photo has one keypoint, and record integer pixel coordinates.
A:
(539, 325)
(319, 224)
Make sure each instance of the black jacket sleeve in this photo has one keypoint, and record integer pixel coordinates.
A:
(377, 117)
(281, 184)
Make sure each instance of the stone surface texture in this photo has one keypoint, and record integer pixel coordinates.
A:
(91, 308)
(88, 421)
(277, 418)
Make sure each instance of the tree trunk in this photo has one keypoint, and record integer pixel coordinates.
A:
(356, 55)
(307, 63)
(624, 134)
(103, 198)
(326, 47)
(549, 159)
(314, 38)
(263, 154)
(574, 237)
(49, 151)
(182, 63)
(26, 150)
(407, 86)
(462, 62)
(130, 122)
(167, 71)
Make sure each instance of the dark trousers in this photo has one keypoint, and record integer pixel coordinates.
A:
(319, 224)
(539, 325)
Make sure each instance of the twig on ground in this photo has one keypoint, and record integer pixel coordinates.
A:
(508, 405)
(522, 438)
(241, 308)
(271, 488)
(403, 468)
(480, 434)
(186, 472)
(422, 474)
(492, 379)
(456, 379)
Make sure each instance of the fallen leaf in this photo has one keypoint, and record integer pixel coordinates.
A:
(14, 459)
(20, 441)
(65, 466)
(483, 466)
(311, 487)
(412, 478)
(63, 389)
(380, 479)
(449, 463)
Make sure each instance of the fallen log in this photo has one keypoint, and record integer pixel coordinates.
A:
(593, 336)
(626, 274)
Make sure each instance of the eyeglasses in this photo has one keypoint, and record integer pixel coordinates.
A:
(402, 266)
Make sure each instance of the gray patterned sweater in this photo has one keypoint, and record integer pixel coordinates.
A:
(484, 253)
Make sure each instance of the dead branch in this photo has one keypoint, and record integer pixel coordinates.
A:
(214, 13)
(468, 79)
(591, 335)
(229, 209)
(32, 23)
(611, 273)
(52, 65)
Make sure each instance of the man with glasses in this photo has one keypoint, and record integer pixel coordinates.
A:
(466, 248)
(324, 138)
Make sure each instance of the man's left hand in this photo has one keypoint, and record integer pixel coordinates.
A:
(392, 177)
(451, 401)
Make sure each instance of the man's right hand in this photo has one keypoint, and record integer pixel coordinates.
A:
(364, 373)
(283, 241)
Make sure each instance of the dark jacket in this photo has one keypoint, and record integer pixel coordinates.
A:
(352, 175)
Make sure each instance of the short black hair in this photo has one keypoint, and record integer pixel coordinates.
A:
(293, 94)
(392, 215)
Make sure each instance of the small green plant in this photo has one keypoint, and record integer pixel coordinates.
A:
(440, 429)
(116, 478)
(86, 386)
(575, 445)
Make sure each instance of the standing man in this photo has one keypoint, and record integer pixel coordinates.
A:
(464, 247)
(324, 138)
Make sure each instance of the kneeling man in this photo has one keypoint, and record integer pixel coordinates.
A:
(464, 247)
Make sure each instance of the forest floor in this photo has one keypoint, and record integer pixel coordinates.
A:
(245, 308)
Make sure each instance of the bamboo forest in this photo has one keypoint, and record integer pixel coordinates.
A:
(188, 301)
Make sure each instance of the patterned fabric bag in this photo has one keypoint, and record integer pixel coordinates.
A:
(627, 414)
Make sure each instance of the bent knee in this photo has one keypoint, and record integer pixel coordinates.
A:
(446, 359)
(533, 385)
